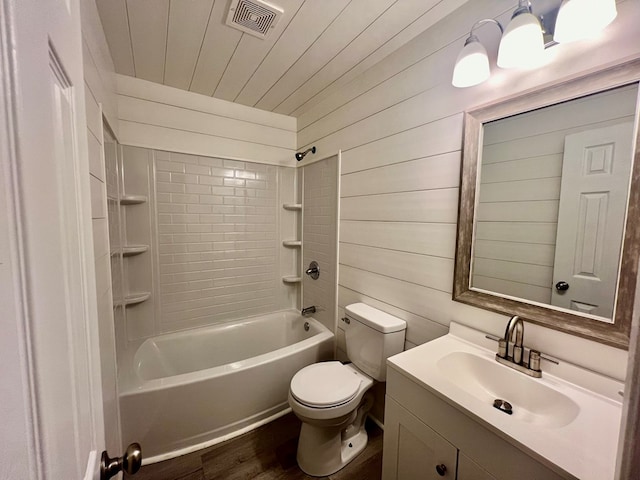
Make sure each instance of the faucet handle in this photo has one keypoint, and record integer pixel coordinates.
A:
(534, 360)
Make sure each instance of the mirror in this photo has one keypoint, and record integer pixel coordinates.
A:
(548, 198)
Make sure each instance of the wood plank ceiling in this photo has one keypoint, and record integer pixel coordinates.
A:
(316, 47)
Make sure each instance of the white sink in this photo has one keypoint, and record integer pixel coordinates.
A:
(487, 380)
(569, 417)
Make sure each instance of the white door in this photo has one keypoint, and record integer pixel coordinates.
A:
(593, 203)
(48, 250)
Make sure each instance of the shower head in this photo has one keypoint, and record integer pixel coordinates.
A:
(301, 155)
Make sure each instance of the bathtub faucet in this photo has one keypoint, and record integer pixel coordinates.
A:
(308, 310)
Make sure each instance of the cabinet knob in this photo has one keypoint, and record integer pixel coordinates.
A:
(441, 469)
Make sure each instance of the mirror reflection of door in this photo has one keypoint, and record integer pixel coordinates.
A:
(526, 180)
(593, 197)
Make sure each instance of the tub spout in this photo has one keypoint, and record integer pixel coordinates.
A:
(308, 310)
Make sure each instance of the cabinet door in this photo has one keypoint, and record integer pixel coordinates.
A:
(414, 451)
(470, 470)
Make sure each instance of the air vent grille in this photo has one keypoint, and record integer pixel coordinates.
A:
(253, 16)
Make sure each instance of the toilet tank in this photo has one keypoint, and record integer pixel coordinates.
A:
(372, 336)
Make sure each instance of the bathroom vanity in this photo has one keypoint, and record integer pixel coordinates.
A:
(440, 421)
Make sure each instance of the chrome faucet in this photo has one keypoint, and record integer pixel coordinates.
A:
(515, 324)
(308, 310)
(515, 360)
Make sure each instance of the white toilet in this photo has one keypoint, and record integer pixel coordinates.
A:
(329, 397)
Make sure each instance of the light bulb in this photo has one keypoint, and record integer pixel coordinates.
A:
(472, 64)
(580, 19)
(522, 43)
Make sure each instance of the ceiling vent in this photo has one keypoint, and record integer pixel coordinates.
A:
(254, 17)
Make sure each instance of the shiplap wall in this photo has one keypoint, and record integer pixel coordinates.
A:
(100, 100)
(399, 126)
(166, 118)
(519, 198)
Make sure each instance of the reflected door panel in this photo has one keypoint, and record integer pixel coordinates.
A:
(593, 201)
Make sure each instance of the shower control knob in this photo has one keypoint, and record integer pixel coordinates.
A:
(129, 463)
(562, 286)
(314, 270)
(441, 469)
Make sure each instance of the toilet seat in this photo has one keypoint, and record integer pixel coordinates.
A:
(325, 385)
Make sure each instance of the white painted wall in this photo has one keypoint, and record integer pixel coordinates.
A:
(166, 118)
(399, 126)
(100, 101)
(520, 191)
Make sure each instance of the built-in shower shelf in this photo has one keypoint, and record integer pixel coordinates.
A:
(131, 250)
(292, 243)
(132, 199)
(135, 298)
(292, 206)
(291, 279)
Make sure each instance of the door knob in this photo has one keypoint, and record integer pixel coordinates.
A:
(441, 469)
(562, 286)
(129, 463)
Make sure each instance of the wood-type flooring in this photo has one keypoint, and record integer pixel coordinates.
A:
(267, 453)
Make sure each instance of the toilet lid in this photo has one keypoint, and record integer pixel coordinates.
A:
(324, 384)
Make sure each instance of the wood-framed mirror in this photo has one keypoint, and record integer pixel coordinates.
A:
(549, 211)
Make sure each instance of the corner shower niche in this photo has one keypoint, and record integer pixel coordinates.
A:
(130, 234)
(291, 233)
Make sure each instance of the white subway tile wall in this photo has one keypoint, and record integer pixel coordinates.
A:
(218, 239)
(319, 237)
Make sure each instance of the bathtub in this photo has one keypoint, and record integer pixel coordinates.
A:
(188, 390)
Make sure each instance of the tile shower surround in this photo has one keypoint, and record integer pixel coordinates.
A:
(217, 238)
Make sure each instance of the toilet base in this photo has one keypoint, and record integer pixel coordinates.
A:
(324, 450)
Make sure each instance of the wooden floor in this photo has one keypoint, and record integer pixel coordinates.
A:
(268, 453)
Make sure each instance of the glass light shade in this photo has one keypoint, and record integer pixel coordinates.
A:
(472, 65)
(522, 44)
(580, 19)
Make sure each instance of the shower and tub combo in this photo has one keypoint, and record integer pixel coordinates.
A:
(208, 328)
(188, 390)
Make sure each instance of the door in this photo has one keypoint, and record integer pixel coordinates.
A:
(470, 470)
(412, 450)
(49, 250)
(593, 203)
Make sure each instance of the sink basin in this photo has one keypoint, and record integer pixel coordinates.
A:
(487, 380)
(570, 417)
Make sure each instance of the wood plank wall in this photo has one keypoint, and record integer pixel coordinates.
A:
(399, 126)
(166, 118)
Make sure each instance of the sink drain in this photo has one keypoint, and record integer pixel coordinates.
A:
(503, 406)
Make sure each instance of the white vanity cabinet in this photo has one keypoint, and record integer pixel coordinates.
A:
(427, 438)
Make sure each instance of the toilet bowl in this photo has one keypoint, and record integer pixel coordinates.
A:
(331, 398)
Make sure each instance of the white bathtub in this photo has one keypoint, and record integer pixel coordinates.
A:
(189, 390)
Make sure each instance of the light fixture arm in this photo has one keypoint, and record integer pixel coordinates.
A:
(484, 21)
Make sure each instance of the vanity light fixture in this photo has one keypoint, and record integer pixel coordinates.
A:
(523, 41)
